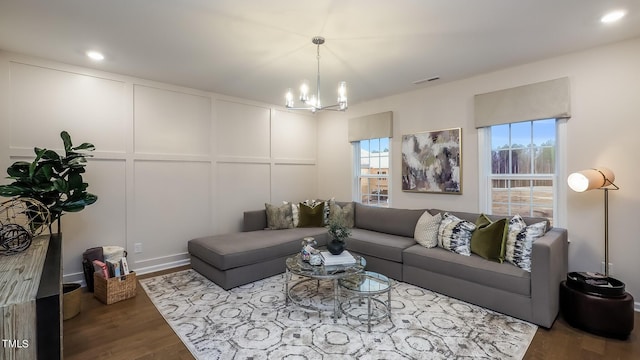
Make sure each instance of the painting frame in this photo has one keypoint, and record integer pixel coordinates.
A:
(432, 161)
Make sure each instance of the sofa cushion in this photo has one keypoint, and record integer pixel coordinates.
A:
(473, 268)
(401, 222)
(380, 245)
(518, 246)
(426, 231)
(326, 211)
(245, 248)
(473, 216)
(254, 220)
(488, 239)
(343, 213)
(295, 212)
(279, 217)
(454, 234)
(311, 215)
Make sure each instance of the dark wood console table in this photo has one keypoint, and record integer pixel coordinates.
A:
(31, 301)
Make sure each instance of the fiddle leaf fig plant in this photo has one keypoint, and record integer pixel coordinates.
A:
(54, 180)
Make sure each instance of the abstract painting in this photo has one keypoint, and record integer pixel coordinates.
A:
(432, 161)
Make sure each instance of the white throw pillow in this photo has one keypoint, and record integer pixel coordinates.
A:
(426, 231)
(520, 241)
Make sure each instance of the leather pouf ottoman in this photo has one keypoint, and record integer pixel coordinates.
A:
(605, 316)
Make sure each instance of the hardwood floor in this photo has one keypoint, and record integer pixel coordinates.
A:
(134, 330)
(131, 329)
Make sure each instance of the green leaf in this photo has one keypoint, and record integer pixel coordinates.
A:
(13, 190)
(50, 155)
(90, 198)
(61, 185)
(66, 139)
(18, 170)
(75, 181)
(77, 205)
(32, 166)
(85, 146)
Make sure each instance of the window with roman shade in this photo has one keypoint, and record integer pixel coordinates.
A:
(371, 139)
(521, 140)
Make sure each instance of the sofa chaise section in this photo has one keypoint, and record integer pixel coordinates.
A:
(236, 259)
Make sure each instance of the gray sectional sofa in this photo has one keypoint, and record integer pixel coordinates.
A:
(384, 236)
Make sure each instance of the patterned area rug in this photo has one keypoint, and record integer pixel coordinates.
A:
(253, 322)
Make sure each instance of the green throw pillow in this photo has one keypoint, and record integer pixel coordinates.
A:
(489, 238)
(311, 216)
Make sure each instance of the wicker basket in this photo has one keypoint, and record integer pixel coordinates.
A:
(114, 289)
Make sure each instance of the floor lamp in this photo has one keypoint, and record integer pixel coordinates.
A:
(602, 179)
(586, 303)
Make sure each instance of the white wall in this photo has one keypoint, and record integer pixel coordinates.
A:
(604, 130)
(170, 164)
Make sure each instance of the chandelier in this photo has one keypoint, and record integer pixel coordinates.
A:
(313, 103)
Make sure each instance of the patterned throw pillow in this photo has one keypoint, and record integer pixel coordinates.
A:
(454, 234)
(426, 231)
(520, 241)
(343, 214)
(279, 217)
(295, 212)
(327, 210)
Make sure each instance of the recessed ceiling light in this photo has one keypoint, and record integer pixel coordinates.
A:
(94, 55)
(613, 16)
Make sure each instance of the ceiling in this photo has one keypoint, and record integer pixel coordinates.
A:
(256, 49)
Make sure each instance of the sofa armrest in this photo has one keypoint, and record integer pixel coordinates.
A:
(549, 263)
(254, 220)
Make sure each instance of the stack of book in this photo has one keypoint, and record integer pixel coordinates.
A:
(345, 258)
(111, 268)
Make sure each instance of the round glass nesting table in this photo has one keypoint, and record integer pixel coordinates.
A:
(367, 286)
(299, 290)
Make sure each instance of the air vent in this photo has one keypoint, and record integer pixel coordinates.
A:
(418, 82)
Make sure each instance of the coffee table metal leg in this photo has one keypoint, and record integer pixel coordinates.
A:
(286, 287)
(369, 313)
(389, 303)
(336, 310)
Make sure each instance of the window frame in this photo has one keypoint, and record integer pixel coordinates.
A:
(357, 175)
(559, 191)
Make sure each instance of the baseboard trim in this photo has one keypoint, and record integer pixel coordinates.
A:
(79, 277)
(637, 306)
(160, 267)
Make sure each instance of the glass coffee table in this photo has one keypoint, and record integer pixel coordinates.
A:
(367, 286)
(301, 290)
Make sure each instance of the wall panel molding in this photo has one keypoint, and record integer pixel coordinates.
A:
(174, 164)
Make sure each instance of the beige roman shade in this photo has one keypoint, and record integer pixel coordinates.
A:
(543, 100)
(371, 126)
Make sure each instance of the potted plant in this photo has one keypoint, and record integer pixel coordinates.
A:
(53, 179)
(339, 233)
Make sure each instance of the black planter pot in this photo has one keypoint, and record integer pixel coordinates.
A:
(336, 247)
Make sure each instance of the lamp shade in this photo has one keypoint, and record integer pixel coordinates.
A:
(591, 179)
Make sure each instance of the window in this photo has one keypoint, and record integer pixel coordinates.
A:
(371, 162)
(521, 174)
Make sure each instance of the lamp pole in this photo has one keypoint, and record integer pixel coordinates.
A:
(606, 232)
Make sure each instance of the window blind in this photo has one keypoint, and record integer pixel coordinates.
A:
(543, 100)
(371, 126)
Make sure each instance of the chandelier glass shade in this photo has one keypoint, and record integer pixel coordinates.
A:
(312, 101)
